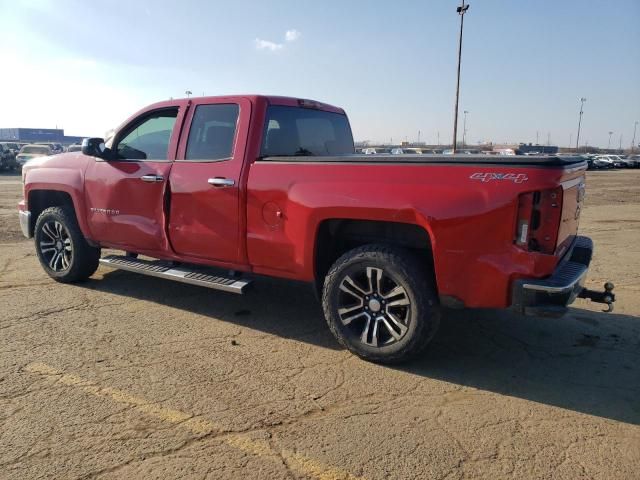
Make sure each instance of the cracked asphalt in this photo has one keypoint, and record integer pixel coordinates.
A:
(127, 376)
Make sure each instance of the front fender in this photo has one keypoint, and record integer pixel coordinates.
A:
(69, 181)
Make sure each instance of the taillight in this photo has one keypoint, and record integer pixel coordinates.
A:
(538, 220)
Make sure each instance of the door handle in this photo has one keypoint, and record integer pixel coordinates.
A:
(152, 178)
(221, 182)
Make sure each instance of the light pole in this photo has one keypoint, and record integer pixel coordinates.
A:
(582, 100)
(620, 145)
(188, 93)
(633, 142)
(464, 128)
(609, 144)
(462, 9)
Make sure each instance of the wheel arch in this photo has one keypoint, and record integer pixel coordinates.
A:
(39, 200)
(336, 236)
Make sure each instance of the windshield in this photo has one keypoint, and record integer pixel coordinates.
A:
(296, 131)
(36, 150)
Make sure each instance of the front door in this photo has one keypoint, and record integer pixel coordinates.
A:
(125, 195)
(205, 181)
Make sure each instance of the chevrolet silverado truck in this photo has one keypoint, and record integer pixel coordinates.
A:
(215, 191)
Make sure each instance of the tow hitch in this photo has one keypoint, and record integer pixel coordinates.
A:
(607, 296)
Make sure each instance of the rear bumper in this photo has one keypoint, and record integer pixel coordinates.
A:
(25, 222)
(552, 295)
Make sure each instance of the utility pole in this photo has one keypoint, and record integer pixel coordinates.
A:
(609, 144)
(439, 135)
(462, 9)
(418, 136)
(633, 142)
(464, 128)
(537, 137)
(620, 146)
(570, 139)
(582, 100)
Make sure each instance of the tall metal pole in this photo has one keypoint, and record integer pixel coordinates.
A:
(633, 142)
(609, 144)
(582, 100)
(461, 11)
(620, 146)
(464, 129)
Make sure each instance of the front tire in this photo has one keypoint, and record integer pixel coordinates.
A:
(61, 247)
(380, 303)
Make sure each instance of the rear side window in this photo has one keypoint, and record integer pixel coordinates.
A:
(297, 131)
(212, 132)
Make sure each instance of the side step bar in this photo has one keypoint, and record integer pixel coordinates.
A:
(190, 274)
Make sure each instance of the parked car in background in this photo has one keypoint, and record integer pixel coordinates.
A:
(7, 158)
(634, 161)
(74, 148)
(603, 161)
(369, 151)
(55, 147)
(620, 161)
(406, 151)
(29, 152)
(13, 146)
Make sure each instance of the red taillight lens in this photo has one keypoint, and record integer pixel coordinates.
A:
(538, 220)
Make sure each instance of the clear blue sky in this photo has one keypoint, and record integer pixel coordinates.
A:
(87, 65)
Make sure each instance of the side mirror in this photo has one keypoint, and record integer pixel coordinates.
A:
(94, 147)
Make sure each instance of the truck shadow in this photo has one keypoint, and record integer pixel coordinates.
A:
(279, 307)
(586, 362)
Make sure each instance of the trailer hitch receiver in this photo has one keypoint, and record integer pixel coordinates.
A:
(607, 296)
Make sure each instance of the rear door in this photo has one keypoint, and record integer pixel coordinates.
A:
(205, 181)
(125, 195)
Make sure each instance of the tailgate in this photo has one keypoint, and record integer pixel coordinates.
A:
(572, 203)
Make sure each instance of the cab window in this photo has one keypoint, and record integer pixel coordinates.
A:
(212, 132)
(149, 138)
(295, 131)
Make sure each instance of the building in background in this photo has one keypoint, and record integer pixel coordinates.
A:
(34, 135)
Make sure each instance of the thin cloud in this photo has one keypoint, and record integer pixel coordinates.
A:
(267, 45)
(289, 37)
(292, 35)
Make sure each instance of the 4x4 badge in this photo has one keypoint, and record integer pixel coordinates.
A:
(487, 177)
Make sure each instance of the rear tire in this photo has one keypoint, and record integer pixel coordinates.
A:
(61, 247)
(381, 304)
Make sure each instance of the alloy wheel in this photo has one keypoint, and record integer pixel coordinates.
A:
(55, 246)
(374, 307)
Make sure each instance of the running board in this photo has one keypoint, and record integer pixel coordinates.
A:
(192, 275)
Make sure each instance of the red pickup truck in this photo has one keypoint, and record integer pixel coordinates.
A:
(213, 191)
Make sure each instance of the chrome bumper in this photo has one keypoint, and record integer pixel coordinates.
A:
(552, 295)
(25, 222)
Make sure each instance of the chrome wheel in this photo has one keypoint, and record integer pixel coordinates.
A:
(373, 307)
(55, 246)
